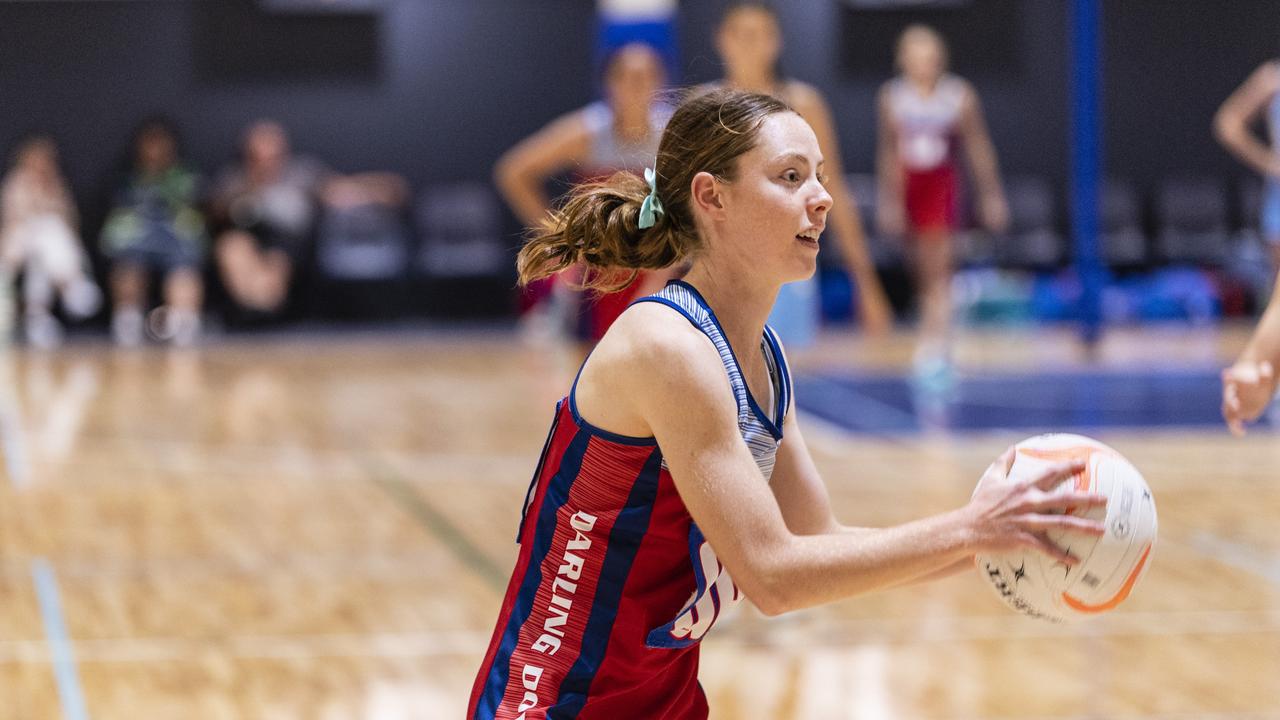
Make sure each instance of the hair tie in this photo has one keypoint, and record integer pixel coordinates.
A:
(651, 208)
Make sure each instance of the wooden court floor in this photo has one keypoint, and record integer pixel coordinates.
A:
(321, 528)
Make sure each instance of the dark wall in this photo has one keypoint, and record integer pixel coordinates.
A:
(451, 83)
(455, 82)
(1168, 66)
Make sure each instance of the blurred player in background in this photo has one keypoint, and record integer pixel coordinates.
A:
(618, 133)
(749, 41)
(39, 238)
(1259, 95)
(927, 117)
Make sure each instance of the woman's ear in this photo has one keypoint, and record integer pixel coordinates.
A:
(707, 196)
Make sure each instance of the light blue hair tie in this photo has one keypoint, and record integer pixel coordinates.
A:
(651, 208)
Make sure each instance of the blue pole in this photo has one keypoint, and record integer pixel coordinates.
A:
(1086, 162)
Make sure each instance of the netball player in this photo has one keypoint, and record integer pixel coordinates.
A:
(1258, 95)
(675, 481)
(749, 42)
(927, 117)
(618, 133)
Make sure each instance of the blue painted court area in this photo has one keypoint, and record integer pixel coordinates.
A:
(1056, 401)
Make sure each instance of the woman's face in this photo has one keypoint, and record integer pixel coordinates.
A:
(777, 206)
(40, 157)
(266, 145)
(749, 41)
(156, 149)
(921, 58)
(634, 77)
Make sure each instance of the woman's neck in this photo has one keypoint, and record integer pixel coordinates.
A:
(762, 81)
(741, 306)
(632, 125)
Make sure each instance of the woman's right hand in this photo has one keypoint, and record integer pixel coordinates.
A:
(1005, 515)
(1247, 390)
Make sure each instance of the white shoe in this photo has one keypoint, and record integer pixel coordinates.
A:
(82, 299)
(127, 326)
(180, 327)
(43, 331)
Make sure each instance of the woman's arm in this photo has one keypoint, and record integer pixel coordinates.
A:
(521, 172)
(1249, 385)
(673, 382)
(844, 218)
(1231, 123)
(982, 161)
(806, 504)
(890, 210)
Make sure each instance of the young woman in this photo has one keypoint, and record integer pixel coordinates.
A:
(39, 238)
(617, 133)
(1258, 95)
(927, 116)
(749, 42)
(1249, 385)
(666, 491)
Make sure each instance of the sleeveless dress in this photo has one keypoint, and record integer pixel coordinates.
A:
(1270, 209)
(615, 584)
(928, 139)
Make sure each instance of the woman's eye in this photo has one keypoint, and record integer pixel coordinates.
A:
(791, 176)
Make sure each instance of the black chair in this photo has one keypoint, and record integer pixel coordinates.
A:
(1033, 241)
(1191, 217)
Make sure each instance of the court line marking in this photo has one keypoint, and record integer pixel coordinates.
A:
(1236, 555)
(403, 494)
(888, 632)
(14, 447)
(61, 653)
(895, 421)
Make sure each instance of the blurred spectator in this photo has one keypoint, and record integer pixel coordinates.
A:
(39, 240)
(154, 227)
(618, 133)
(266, 210)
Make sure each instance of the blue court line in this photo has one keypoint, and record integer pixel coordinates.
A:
(831, 401)
(55, 632)
(14, 449)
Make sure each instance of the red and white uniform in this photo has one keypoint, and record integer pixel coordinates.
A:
(928, 135)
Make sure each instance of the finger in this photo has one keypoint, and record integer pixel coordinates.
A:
(1059, 473)
(1236, 426)
(1265, 370)
(1040, 542)
(1231, 397)
(1065, 523)
(1063, 501)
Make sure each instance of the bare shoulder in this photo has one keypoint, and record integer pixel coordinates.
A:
(651, 361)
(651, 338)
(804, 97)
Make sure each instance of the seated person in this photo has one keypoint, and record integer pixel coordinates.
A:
(39, 239)
(266, 210)
(155, 227)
